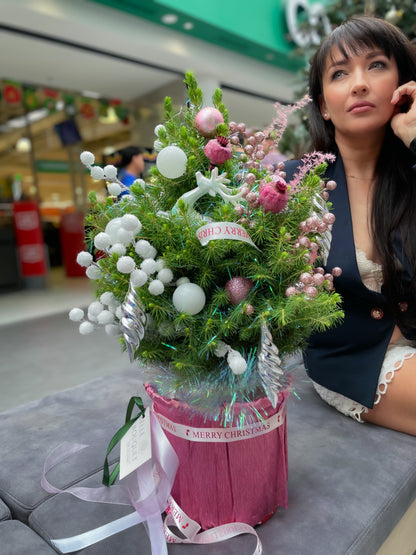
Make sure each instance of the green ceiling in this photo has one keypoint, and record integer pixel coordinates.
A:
(254, 29)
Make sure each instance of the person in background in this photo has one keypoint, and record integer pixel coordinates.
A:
(130, 166)
(363, 110)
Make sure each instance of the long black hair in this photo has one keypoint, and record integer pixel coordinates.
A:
(394, 200)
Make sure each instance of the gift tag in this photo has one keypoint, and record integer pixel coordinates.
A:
(135, 446)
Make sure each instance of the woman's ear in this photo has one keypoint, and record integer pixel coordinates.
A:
(323, 108)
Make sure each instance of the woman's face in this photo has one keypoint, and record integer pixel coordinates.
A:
(357, 90)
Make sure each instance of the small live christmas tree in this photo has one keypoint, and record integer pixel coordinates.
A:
(210, 271)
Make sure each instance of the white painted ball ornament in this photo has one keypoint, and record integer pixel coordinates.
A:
(189, 297)
(171, 162)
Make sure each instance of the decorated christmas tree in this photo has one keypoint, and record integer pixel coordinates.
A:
(211, 271)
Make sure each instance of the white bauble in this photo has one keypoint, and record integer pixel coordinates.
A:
(171, 162)
(165, 275)
(110, 171)
(138, 278)
(156, 287)
(236, 362)
(97, 172)
(112, 228)
(95, 308)
(221, 349)
(87, 158)
(125, 236)
(189, 297)
(105, 317)
(126, 264)
(144, 249)
(131, 223)
(114, 189)
(102, 241)
(76, 314)
(107, 298)
(93, 272)
(149, 266)
(182, 280)
(86, 327)
(84, 258)
(118, 248)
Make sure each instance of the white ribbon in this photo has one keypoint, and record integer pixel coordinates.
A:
(223, 230)
(189, 528)
(223, 435)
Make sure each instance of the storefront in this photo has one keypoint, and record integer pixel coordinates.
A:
(93, 75)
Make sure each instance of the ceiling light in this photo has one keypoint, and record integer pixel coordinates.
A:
(169, 18)
(188, 25)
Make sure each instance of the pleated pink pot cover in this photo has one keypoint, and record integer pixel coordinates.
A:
(219, 483)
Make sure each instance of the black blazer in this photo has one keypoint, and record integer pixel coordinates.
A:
(348, 358)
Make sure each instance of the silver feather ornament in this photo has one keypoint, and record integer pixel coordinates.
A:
(269, 366)
(326, 236)
(132, 322)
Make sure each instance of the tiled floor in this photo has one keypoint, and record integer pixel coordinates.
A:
(41, 350)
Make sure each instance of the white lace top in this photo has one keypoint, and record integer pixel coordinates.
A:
(371, 273)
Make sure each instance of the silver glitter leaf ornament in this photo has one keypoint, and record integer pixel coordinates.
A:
(132, 322)
(326, 236)
(269, 366)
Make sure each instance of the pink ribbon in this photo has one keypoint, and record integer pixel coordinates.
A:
(148, 491)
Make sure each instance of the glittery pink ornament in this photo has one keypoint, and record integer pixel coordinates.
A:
(310, 291)
(250, 178)
(273, 198)
(318, 279)
(237, 289)
(306, 278)
(290, 291)
(331, 185)
(337, 271)
(329, 218)
(207, 120)
(218, 150)
(249, 309)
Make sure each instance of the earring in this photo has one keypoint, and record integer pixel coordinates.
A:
(325, 115)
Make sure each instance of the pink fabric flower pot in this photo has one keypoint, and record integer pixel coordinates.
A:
(244, 480)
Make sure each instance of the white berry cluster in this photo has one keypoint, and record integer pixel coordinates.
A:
(108, 173)
(107, 312)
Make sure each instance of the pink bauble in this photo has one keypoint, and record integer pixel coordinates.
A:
(237, 289)
(207, 120)
(216, 152)
(271, 199)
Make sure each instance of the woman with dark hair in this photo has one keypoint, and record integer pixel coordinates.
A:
(364, 111)
(130, 165)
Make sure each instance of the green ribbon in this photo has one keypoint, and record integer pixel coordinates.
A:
(109, 479)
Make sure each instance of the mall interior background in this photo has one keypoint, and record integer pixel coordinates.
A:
(101, 70)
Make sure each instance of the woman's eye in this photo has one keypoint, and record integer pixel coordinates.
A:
(379, 64)
(337, 74)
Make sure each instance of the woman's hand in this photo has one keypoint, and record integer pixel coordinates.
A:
(403, 121)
